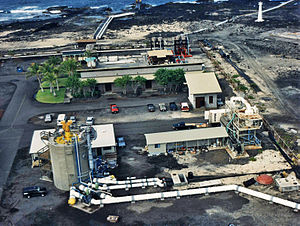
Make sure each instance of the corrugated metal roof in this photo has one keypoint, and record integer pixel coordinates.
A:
(202, 82)
(105, 136)
(185, 135)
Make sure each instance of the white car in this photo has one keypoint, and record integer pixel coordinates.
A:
(162, 107)
(184, 106)
(48, 118)
(89, 121)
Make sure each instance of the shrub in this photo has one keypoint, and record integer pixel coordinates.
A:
(242, 88)
(235, 76)
(252, 159)
(250, 97)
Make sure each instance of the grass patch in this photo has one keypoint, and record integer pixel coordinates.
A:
(47, 97)
(252, 159)
(242, 88)
(61, 82)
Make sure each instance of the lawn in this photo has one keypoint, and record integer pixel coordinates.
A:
(47, 97)
(61, 82)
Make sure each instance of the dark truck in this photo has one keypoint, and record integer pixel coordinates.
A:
(183, 125)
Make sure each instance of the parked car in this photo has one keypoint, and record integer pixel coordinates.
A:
(121, 142)
(73, 119)
(48, 118)
(114, 108)
(184, 106)
(162, 107)
(220, 102)
(151, 107)
(60, 118)
(89, 121)
(29, 192)
(173, 106)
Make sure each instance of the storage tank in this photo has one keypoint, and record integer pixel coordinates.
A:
(64, 161)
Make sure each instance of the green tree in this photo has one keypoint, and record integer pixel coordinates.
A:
(92, 85)
(170, 78)
(55, 61)
(84, 85)
(73, 83)
(33, 70)
(51, 78)
(123, 82)
(136, 82)
(177, 78)
(47, 71)
(69, 67)
(56, 73)
(88, 53)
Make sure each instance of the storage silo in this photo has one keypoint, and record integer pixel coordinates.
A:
(68, 159)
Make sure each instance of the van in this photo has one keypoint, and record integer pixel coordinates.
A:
(29, 192)
(60, 118)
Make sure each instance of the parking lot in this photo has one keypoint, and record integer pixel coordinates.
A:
(125, 115)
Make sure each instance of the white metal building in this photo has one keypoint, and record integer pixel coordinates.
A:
(203, 89)
(105, 140)
(37, 144)
(160, 143)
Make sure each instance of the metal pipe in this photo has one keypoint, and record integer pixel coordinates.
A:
(198, 191)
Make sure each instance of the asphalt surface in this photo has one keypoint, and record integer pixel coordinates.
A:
(16, 132)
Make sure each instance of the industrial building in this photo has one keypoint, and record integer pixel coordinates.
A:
(161, 56)
(105, 77)
(104, 142)
(186, 140)
(203, 89)
(242, 121)
(69, 155)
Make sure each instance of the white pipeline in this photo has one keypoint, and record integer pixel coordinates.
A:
(106, 187)
(198, 191)
(110, 180)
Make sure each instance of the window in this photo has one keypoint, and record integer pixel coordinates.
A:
(157, 145)
(211, 99)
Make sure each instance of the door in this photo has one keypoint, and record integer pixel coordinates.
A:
(107, 87)
(148, 84)
(200, 102)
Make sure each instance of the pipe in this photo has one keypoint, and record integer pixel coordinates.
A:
(78, 166)
(91, 159)
(198, 191)
(127, 186)
(112, 180)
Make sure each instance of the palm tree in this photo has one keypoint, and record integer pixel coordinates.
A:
(54, 60)
(47, 71)
(51, 78)
(33, 70)
(69, 67)
(56, 73)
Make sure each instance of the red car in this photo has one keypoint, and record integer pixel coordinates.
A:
(114, 108)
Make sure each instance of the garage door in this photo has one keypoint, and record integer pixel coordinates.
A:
(200, 102)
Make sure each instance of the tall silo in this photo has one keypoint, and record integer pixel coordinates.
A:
(68, 159)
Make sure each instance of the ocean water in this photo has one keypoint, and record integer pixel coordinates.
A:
(18, 10)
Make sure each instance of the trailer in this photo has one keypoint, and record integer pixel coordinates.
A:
(183, 125)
